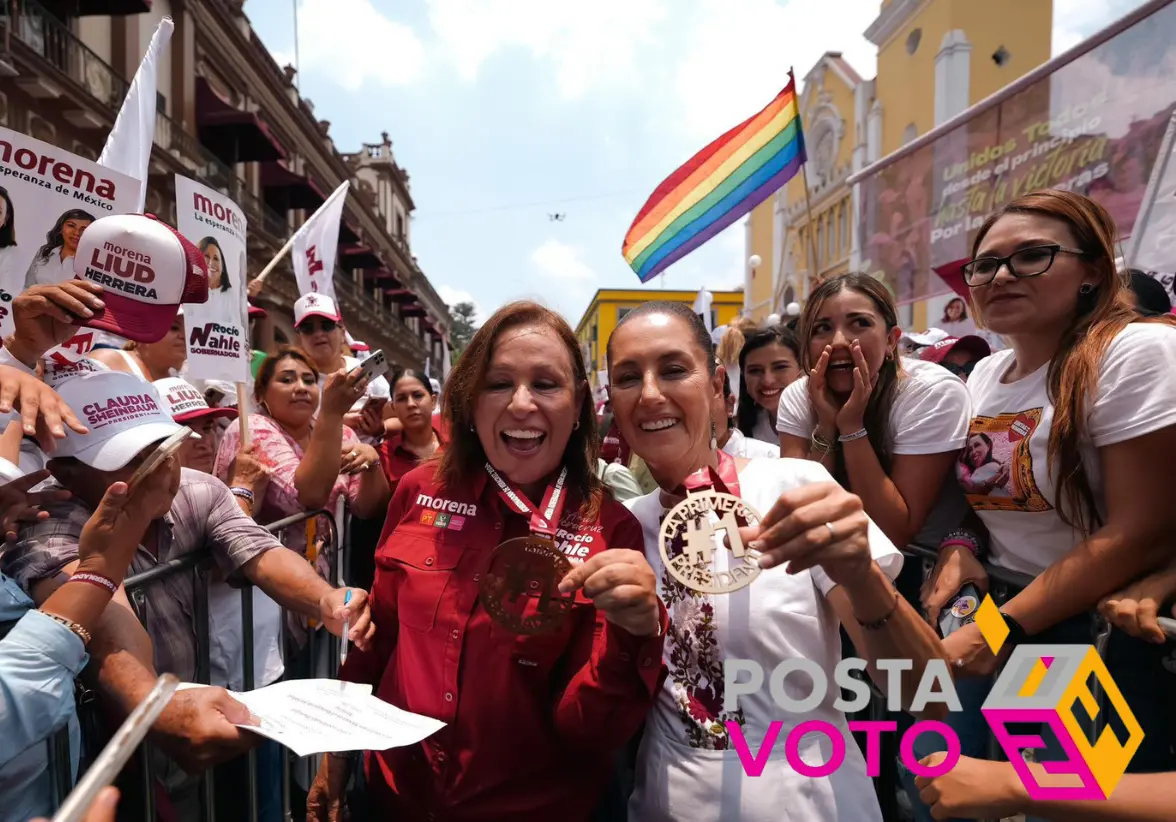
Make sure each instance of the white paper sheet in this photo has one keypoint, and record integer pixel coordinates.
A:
(314, 716)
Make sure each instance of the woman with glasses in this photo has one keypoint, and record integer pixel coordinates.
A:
(1083, 405)
(321, 334)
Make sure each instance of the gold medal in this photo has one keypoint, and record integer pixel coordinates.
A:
(698, 524)
(520, 588)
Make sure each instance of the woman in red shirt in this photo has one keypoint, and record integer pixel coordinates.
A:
(421, 435)
(512, 598)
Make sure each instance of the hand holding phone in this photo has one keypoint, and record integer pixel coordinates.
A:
(960, 610)
(166, 448)
(376, 365)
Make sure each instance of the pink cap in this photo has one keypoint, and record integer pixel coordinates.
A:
(147, 270)
(936, 353)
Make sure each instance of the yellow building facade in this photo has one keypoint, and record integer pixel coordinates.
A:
(609, 305)
(936, 58)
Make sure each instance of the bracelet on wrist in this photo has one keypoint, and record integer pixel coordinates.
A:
(962, 538)
(856, 435)
(820, 445)
(879, 624)
(242, 493)
(97, 580)
(78, 630)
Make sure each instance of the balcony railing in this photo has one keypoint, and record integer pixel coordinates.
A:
(53, 41)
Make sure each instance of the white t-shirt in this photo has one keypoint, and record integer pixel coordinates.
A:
(226, 639)
(764, 429)
(930, 415)
(680, 774)
(1136, 395)
(739, 445)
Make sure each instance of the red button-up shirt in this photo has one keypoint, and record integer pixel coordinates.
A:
(532, 721)
(396, 460)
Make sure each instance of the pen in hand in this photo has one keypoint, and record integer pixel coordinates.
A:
(346, 628)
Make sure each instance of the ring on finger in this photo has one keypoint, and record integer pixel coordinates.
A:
(832, 533)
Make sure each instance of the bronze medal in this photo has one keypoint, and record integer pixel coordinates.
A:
(698, 524)
(520, 588)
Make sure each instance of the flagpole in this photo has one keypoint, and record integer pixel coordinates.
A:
(297, 64)
(808, 206)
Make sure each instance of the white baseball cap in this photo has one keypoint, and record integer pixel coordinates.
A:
(124, 415)
(185, 403)
(928, 337)
(146, 269)
(314, 305)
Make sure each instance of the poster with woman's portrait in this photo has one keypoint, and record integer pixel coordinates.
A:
(218, 330)
(48, 197)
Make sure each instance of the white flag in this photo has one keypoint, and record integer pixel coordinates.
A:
(428, 366)
(446, 364)
(128, 148)
(1153, 238)
(316, 244)
(702, 307)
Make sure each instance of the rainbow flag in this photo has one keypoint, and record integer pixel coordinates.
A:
(717, 186)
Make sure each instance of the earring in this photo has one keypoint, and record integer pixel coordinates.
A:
(714, 440)
(1085, 290)
(576, 426)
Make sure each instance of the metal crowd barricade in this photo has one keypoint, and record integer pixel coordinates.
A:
(199, 564)
(1001, 582)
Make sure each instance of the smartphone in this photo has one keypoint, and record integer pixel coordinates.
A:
(118, 751)
(960, 610)
(376, 365)
(166, 448)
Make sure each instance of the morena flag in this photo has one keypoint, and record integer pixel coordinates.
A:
(717, 186)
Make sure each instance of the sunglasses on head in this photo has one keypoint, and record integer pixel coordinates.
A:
(310, 326)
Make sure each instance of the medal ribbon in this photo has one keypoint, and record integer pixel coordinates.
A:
(544, 519)
(724, 479)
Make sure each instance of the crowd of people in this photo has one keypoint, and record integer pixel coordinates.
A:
(853, 440)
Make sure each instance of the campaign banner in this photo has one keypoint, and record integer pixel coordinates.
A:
(48, 197)
(1094, 126)
(218, 330)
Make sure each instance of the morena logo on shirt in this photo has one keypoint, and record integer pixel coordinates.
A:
(447, 506)
(120, 409)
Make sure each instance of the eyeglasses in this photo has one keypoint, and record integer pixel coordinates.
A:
(309, 327)
(1027, 262)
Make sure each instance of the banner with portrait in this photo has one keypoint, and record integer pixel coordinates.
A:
(218, 330)
(1094, 126)
(47, 199)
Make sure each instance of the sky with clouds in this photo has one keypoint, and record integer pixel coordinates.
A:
(505, 112)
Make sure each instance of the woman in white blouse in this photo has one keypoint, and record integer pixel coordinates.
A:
(825, 565)
(54, 262)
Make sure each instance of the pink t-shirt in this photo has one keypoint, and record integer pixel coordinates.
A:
(281, 497)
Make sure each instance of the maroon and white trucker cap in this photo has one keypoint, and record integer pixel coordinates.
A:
(147, 270)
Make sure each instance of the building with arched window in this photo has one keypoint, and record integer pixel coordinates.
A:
(935, 59)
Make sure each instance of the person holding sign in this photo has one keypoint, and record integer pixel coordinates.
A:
(542, 670)
(770, 587)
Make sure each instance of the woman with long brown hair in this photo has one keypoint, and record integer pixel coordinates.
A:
(887, 428)
(542, 670)
(1083, 405)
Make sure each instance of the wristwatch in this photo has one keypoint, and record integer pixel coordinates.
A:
(1017, 635)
